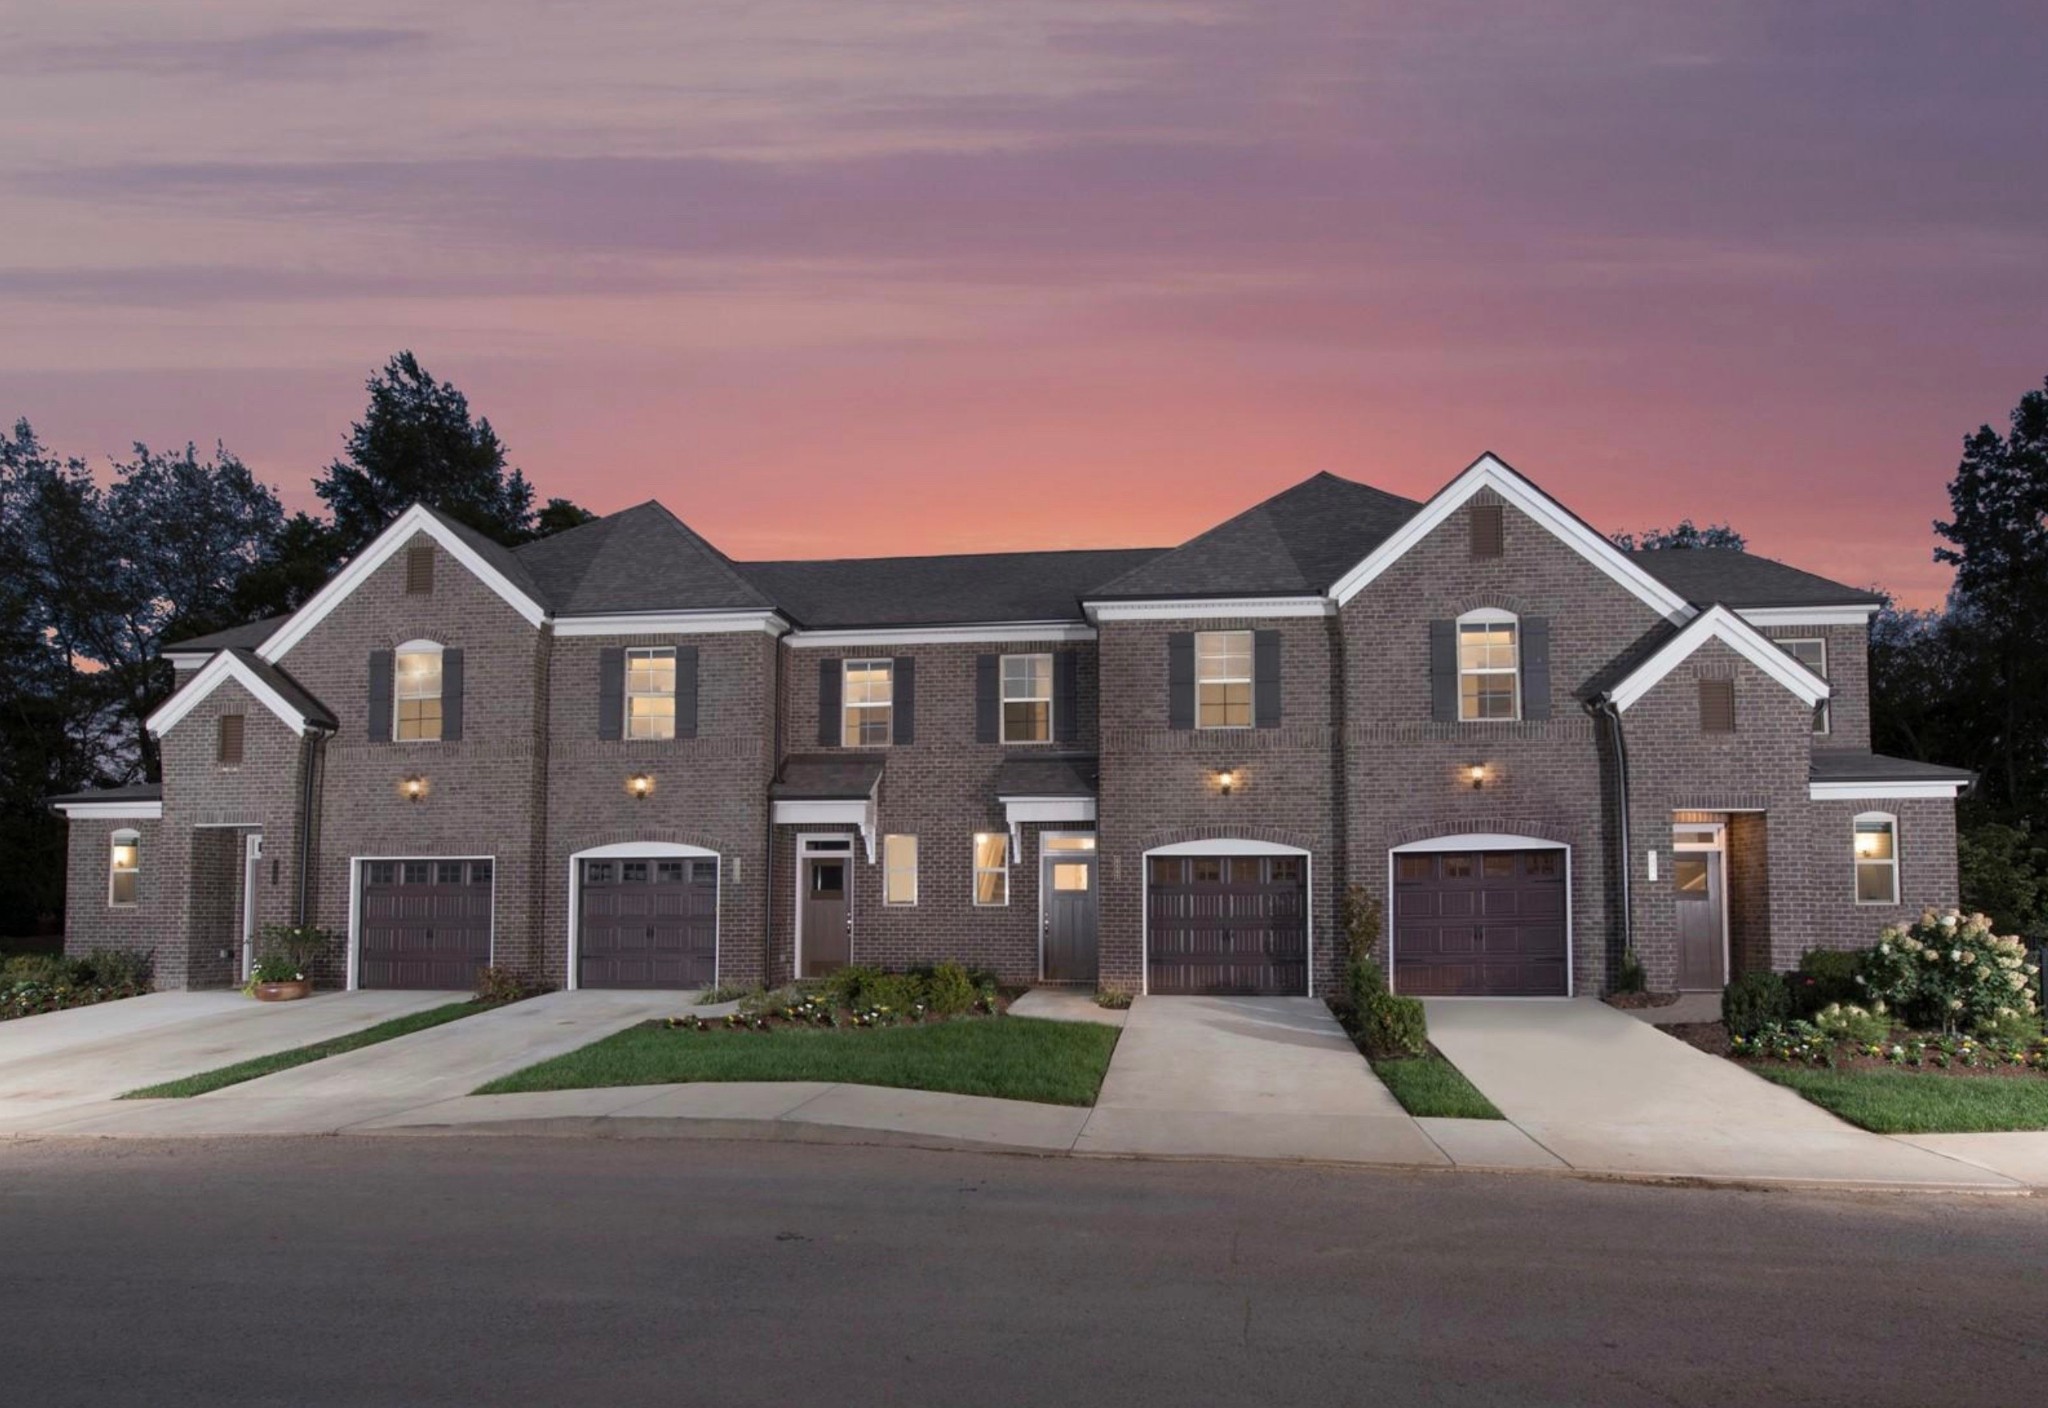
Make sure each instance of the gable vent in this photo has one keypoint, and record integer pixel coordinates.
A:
(1717, 706)
(419, 570)
(229, 751)
(1489, 531)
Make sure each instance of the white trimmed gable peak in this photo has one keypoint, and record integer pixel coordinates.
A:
(1719, 623)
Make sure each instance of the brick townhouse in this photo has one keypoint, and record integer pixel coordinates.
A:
(616, 758)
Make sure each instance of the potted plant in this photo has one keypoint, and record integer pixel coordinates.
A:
(283, 969)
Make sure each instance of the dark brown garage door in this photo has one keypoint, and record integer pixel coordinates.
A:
(1227, 924)
(648, 924)
(425, 923)
(1480, 924)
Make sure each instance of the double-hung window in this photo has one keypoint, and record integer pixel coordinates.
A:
(1223, 679)
(651, 692)
(124, 869)
(1812, 652)
(868, 716)
(899, 870)
(1027, 698)
(1489, 666)
(417, 684)
(1876, 846)
(992, 868)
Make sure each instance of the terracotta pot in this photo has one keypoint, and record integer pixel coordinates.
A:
(283, 992)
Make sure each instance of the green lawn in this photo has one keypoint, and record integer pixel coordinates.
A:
(1913, 1102)
(1012, 1058)
(299, 1055)
(1430, 1085)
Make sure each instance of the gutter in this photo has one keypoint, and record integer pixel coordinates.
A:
(1603, 707)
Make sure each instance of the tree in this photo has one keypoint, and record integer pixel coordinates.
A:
(1686, 534)
(559, 516)
(297, 563)
(416, 443)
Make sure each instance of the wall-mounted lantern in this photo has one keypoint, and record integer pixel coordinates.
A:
(1226, 780)
(640, 786)
(1477, 772)
(414, 788)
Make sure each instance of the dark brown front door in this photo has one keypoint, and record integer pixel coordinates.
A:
(425, 923)
(648, 923)
(1696, 882)
(827, 941)
(1068, 878)
(1227, 924)
(1480, 924)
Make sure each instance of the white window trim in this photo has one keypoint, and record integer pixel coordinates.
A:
(1857, 862)
(1249, 680)
(888, 870)
(1823, 712)
(650, 652)
(398, 695)
(846, 704)
(125, 836)
(975, 869)
(1490, 616)
(1003, 699)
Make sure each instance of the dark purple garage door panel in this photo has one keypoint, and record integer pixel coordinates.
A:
(1480, 924)
(649, 923)
(425, 923)
(1227, 924)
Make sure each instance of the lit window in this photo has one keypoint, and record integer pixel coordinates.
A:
(1877, 859)
(870, 699)
(992, 868)
(1489, 675)
(899, 870)
(124, 871)
(418, 685)
(1223, 679)
(651, 692)
(1813, 654)
(1067, 843)
(1027, 698)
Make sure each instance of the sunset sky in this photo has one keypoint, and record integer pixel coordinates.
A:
(843, 277)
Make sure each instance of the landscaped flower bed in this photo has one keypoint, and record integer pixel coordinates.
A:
(861, 997)
(33, 983)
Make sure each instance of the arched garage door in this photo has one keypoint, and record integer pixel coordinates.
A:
(1481, 922)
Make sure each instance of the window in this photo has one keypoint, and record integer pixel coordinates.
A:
(419, 570)
(1877, 858)
(899, 870)
(992, 868)
(1223, 679)
(1813, 654)
(1489, 673)
(1717, 706)
(1070, 875)
(870, 697)
(228, 740)
(417, 680)
(651, 692)
(1027, 698)
(1067, 843)
(1489, 534)
(124, 869)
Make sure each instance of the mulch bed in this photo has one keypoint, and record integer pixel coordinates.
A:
(1712, 1038)
(1634, 1001)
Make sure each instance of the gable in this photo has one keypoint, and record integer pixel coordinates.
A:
(1718, 623)
(294, 708)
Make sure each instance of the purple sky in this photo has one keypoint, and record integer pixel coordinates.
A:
(842, 278)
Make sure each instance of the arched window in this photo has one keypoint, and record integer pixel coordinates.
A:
(416, 689)
(1875, 843)
(124, 869)
(1489, 666)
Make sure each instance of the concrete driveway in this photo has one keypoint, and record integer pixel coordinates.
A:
(1607, 1093)
(60, 1062)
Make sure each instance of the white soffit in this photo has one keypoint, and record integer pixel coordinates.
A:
(1882, 791)
(1808, 615)
(111, 811)
(992, 633)
(671, 623)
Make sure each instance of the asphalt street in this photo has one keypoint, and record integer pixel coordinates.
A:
(552, 1271)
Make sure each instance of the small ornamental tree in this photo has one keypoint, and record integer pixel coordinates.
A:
(1951, 970)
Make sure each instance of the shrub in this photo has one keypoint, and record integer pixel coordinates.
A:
(1115, 999)
(1394, 1026)
(1950, 970)
(902, 994)
(116, 967)
(1629, 977)
(1826, 977)
(1755, 1001)
(847, 987)
(949, 990)
(297, 946)
(274, 966)
(43, 970)
(1845, 1021)
(496, 985)
(2018, 1028)
(1363, 981)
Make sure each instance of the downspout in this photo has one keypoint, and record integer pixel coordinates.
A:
(313, 762)
(1604, 707)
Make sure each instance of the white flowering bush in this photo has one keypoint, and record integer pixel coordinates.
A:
(1950, 971)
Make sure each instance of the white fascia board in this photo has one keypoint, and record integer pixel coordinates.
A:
(993, 633)
(187, 659)
(111, 811)
(1719, 623)
(1809, 615)
(1882, 791)
(223, 668)
(380, 551)
(671, 623)
(1489, 473)
(840, 811)
(1018, 809)
(1210, 608)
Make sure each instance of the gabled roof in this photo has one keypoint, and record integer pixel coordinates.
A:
(913, 591)
(1742, 579)
(1718, 623)
(1299, 541)
(640, 559)
(1048, 775)
(272, 687)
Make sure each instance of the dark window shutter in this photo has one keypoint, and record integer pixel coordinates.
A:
(686, 691)
(611, 692)
(230, 750)
(1443, 671)
(419, 569)
(1717, 706)
(451, 696)
(1489, 532)
(1180, 680)
(829, 681)
(381, 662)
(988, 705)
(1266, 679)
(1535, 667)
(1066, 696)
(903, 700)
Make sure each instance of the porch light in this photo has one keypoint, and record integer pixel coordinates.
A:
(640, 785)
(414, 788)
(1477, 772)
(1226, 778)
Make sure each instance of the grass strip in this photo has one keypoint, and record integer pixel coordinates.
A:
(1431, 1085)
(1009, 1058)
(1913, 1102)
(188, 1086)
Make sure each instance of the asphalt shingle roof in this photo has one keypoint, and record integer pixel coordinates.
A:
(1738, 579)
(134, 792)
(311, 709)
(1850, 765)
(639, 559)
(826, 777)
(247, 636)
(1048, 775)
(926, 591)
